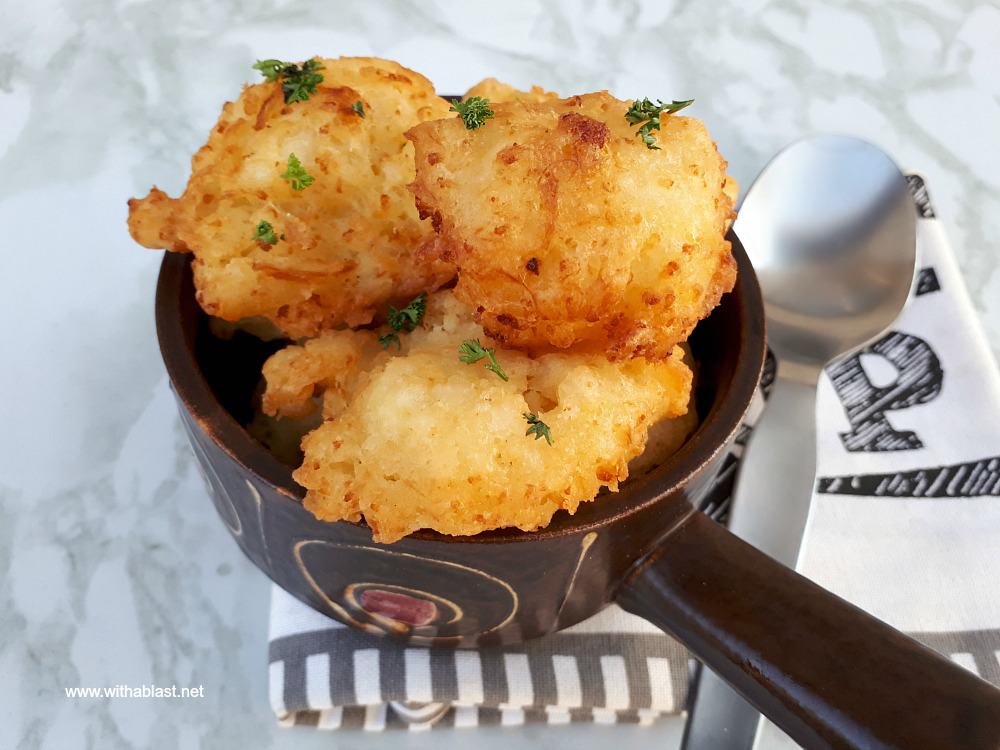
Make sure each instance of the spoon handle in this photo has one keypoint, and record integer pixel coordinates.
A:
(778, 472)
(770, 510)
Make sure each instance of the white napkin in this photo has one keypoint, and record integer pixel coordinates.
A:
(905, 523)
(906, 519)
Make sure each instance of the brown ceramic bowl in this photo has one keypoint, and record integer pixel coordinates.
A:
(792, 648)
(498, 587)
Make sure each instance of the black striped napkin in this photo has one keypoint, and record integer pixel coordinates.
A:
(612, 668)
(905, 523)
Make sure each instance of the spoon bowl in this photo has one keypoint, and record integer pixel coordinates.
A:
(830, 228)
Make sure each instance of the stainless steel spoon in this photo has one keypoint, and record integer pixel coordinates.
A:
(831, 229)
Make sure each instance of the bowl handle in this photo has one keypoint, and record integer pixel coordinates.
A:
(826, 672)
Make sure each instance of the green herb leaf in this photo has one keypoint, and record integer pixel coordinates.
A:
(648, 115)
(359, 108)
(270, 69)
(404, 321)
(410, 316)
(265, 233)
(296, 174)
(474, 111)
(298, 82)
(390, 338)
(537, 427)
(471, 351)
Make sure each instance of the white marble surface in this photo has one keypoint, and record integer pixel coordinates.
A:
(113, 568)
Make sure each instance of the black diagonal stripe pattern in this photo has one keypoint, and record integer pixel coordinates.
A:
(968, 479)
(716, 501)
(927, 282)
(921, 198)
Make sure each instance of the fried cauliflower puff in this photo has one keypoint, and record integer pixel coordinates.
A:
(347, 243)
(421, 440)
(569, 232)
(498, 92)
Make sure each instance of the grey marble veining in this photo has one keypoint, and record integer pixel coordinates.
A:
(113, 567)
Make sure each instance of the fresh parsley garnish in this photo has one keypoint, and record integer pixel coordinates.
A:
(265, 233)
(359, 108)
(471, 351)
(410, 316)
(298, 82)
(538, 427)
(296, 174)
(474, 111)
(390, 338)
(404, 320)
(271, 69)
(648, 114)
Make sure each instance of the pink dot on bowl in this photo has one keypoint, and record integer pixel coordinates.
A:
(400, 607)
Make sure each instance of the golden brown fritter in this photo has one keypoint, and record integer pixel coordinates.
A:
(328, 367)
(498, 91)
(425, 441)
(569, 232)
(348, 242)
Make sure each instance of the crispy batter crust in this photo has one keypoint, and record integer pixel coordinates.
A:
(350, 239)
(329, 366)
(424, 441)
(498, 91)
(569, 232)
